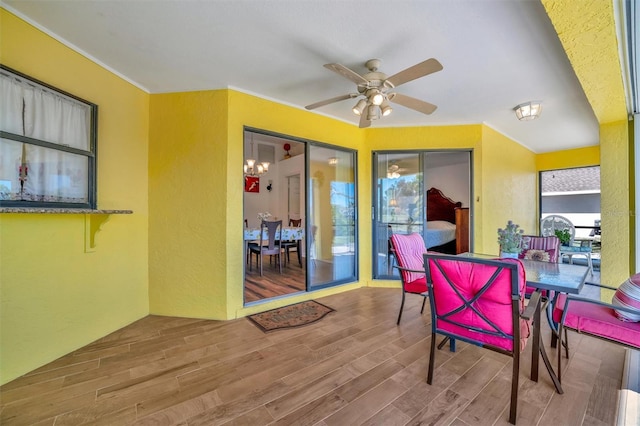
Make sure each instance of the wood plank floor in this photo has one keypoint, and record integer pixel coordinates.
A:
(354, 367)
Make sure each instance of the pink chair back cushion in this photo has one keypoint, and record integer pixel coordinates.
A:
(628, 296)
(597, 320)
(410, 250)
(544, 249)
(495, 303)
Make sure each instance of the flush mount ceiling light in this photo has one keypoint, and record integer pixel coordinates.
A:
(333, 161)
(528, 111)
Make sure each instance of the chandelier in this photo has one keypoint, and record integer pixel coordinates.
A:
(251, 168)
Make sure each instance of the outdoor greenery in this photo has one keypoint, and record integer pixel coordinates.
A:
(564, 236)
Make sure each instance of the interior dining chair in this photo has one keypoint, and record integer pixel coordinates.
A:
(408, 250)
(270, 246)
(289, 245)
(481, 301)
(617, 322)
(574, 247)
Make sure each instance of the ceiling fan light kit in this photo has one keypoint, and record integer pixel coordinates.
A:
(528, 110)
(360, 106)
(377, 88)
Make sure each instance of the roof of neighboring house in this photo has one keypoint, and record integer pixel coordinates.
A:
(571, 180)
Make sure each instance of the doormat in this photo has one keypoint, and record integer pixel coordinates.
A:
(302, 313)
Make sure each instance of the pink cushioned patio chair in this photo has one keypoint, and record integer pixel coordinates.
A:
(481, 301)
(408, 250)
(597, 319)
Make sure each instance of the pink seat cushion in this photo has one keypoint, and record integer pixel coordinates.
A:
(495, 303)
(628, 296)
(409, 250)
(597, 320)
(417, 286)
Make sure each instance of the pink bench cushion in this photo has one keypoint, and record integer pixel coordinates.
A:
(409, 250)
(597, 320)
(495, 303)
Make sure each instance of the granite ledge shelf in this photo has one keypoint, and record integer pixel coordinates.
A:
(45, 210)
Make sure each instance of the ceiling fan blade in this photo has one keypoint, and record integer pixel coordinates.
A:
(413, 103)
(332, 100)
(347, 73)
(363, 121)
(419, 70)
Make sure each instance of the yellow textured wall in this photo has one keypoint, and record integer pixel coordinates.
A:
(587, 31)
(55, 297)
(187, 204)
(569, 158)
(510, 188)
(614, 204)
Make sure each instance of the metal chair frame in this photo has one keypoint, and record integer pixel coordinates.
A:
(432, 260)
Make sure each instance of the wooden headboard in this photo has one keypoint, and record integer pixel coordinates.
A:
(441, 207)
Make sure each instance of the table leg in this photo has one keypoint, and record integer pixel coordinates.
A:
(538, 350)
(299, 252)
(535, 357)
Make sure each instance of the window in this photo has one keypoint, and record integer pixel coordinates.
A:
(47, 145)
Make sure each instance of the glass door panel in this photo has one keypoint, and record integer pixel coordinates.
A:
(332, 206)
(398, 204)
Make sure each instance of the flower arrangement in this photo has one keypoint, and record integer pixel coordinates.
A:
(511, 238)
(264, 216)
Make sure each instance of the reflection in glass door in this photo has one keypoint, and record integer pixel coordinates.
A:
(426, 192)
(399, 204)
(332, 207)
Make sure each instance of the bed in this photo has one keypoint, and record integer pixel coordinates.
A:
(447, 221)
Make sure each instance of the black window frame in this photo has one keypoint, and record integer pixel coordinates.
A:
(91, 155)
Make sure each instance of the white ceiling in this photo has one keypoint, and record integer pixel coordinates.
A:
(496, 54)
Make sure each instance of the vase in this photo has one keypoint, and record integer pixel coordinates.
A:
(506, 255)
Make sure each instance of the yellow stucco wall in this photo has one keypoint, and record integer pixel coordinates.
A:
(187, 199)
(510, 191)
(587, 31)
(615, 206)
(569, 158)
(55, 297)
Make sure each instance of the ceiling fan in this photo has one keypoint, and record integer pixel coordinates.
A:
(394, 171)
(377, 89)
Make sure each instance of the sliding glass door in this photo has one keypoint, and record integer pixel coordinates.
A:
(424, 192)
(332, 207)
(399, 203)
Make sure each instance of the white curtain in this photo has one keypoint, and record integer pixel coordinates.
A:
(52, 175)
(10, 151)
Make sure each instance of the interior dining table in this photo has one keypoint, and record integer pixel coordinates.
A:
(287, 233)
(554, 278)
